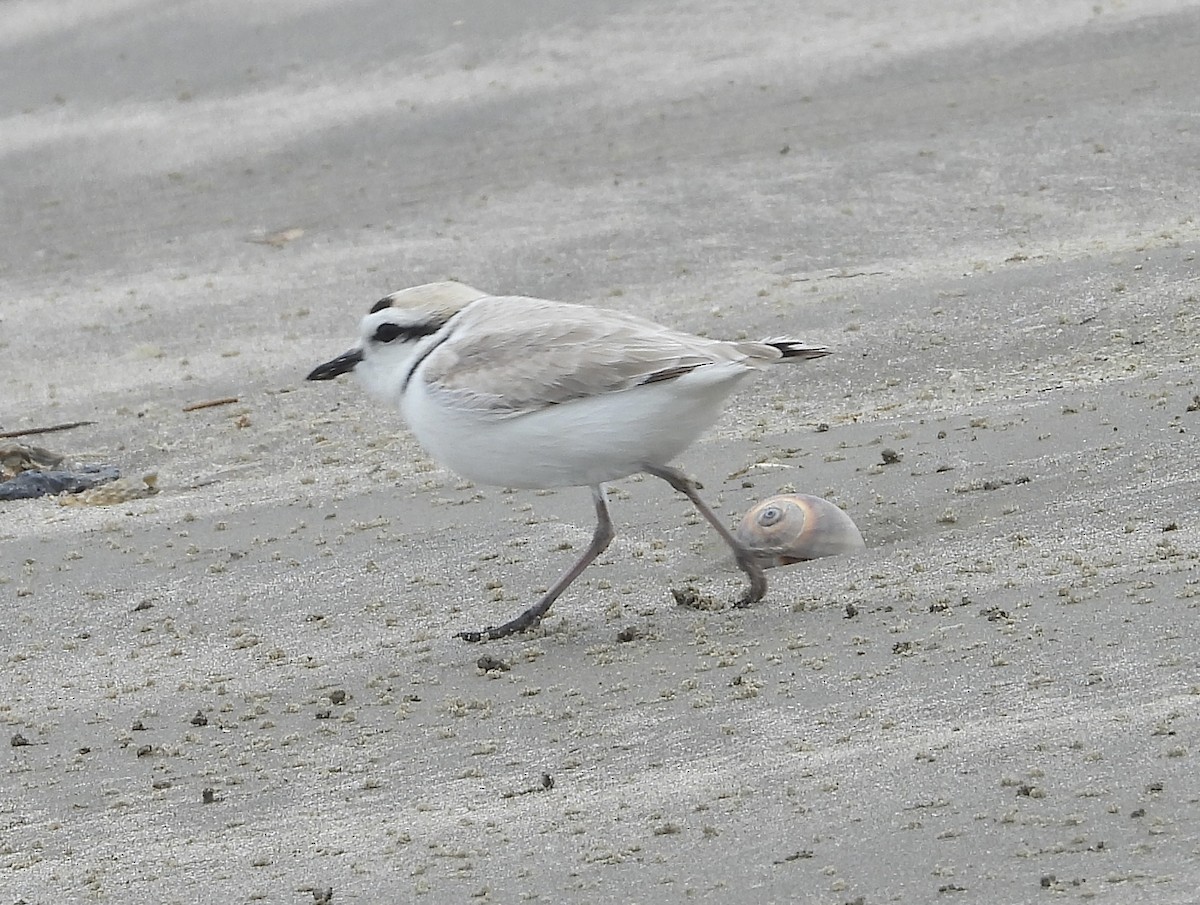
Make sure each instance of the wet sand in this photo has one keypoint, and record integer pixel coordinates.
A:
(245, 687)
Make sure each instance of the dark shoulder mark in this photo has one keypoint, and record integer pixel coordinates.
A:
(669, 373)
(432, 346)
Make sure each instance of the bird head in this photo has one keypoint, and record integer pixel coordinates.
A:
(394, 333)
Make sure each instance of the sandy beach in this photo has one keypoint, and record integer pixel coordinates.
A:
(245, 687)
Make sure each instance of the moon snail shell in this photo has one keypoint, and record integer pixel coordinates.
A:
(795, 527)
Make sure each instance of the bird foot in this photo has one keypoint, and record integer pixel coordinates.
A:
(523, 623)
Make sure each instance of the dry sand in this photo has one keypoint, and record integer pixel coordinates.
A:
(246, 687)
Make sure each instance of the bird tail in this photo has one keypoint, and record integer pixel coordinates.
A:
(797, 349)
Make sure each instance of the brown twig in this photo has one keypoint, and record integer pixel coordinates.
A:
(44, 430)
(210, 403)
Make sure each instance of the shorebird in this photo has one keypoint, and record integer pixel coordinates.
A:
(524, 392)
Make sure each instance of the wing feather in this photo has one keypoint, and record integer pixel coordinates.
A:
(508, 355)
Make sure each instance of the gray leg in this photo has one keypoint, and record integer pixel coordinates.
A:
(745, 559)
(532, 616)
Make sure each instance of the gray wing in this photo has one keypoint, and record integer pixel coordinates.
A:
(508, 355)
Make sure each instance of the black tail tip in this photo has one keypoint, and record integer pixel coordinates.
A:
(794, 348)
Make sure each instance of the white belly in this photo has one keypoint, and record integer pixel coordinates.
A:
(583, 442)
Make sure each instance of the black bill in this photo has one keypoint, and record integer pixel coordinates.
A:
(340, 365)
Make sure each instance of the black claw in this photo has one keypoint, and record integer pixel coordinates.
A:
(758, 581)
(475, 637)
(523, 623)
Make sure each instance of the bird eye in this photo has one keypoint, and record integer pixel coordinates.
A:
(385, 333)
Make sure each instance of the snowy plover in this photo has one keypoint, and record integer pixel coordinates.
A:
(523, 392)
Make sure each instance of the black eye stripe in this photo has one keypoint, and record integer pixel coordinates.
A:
(386, 333)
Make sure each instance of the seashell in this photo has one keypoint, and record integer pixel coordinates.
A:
(795, 527)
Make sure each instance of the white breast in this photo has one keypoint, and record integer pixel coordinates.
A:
(584, 441)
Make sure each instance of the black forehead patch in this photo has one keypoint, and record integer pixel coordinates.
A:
(385, 302)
